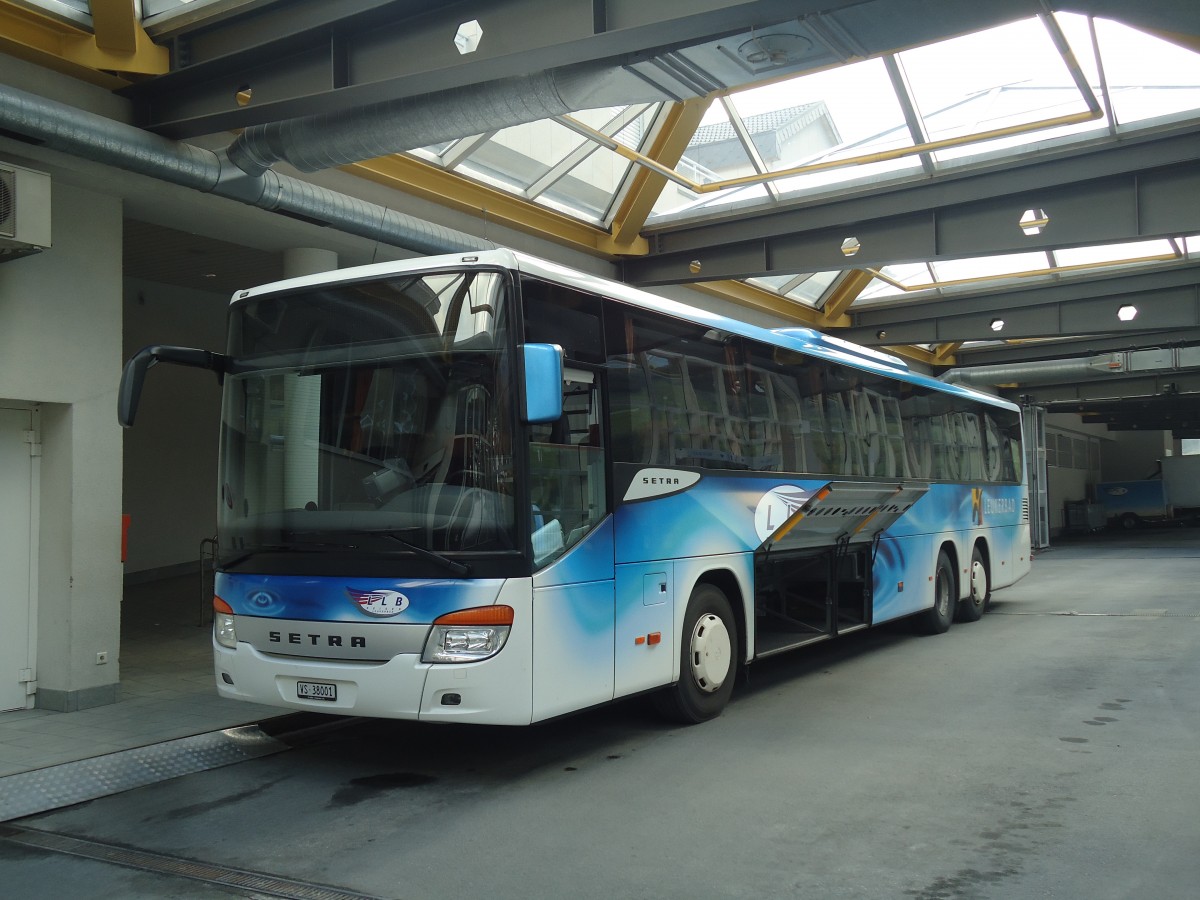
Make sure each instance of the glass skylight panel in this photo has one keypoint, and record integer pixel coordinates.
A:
(550, 163)
(807, 288)
(1013, 105)
(1005, 265)
(519, 155)
(1138, 252)
(958, 84)
(814, 287)
(904, 275)
(1147, 76)
(587, 190)
(810, 120)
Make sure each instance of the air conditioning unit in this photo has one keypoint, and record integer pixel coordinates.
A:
(24, 212)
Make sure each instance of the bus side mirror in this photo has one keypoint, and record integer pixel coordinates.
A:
(541, 400)
(134, 374)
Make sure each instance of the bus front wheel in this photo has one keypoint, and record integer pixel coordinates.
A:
(945, 599)
(707, 659)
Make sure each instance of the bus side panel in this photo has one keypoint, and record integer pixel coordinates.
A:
(573, 622)
(645, 636)
(901, 573)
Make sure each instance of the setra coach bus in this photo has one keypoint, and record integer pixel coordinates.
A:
(486, 488)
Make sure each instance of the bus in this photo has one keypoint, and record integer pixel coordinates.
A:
(487, 488)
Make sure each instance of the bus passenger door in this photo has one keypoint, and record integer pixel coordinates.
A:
(573, 610)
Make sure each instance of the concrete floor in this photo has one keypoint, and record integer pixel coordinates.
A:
(1046, 751)
(167, 687)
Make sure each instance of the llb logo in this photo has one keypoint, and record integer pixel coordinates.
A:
(379, 603)
(776, 506)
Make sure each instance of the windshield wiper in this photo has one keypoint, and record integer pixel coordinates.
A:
(460, 569)
(454, 566)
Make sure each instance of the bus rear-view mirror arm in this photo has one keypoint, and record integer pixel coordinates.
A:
(134, 374)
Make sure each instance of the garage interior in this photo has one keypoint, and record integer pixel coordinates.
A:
(1004, 194)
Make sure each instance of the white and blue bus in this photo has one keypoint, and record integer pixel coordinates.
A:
(486, 488)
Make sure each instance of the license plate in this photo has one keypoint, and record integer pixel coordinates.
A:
(316, 690)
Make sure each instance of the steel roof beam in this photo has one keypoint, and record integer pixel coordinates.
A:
(309, 57)
(1165, 299)
(1091, 345)
(1142, 186)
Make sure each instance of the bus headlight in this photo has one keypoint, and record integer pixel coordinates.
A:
(468, 635)
(224, 632)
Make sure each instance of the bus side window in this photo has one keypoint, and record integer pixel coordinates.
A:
(632, 425)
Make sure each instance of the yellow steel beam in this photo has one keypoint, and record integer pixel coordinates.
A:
(116, 25)
(944, 353)
(667, 149)
(837, 304)
(421, 179)
(65, 48)
(765, 301)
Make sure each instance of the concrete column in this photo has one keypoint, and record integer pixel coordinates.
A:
(303, 394)
(299, 261)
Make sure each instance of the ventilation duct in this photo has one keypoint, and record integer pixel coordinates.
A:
(96, 138)
(1060, 371)
(338, 138)
(335, 139)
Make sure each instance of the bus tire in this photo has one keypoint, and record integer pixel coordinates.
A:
(707, 659)
(937, 619)
(973, 608)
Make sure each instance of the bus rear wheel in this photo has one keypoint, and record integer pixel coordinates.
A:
(975, 606)
(707, 659)
(945, 599)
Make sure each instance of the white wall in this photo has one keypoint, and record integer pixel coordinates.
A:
(171, 454)
(1132, 455)
(60, 347)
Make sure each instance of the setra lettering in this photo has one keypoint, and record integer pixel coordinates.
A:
(315, 640)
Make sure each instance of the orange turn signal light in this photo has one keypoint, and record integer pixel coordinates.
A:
(478, 615)
(221, 606)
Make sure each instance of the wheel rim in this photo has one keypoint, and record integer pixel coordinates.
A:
(943, 594)
(979, 581)
(711, 653)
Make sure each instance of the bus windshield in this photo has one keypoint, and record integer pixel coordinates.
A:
(374, 417)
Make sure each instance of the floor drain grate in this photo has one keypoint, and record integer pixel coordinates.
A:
(28, 793)
(210, 873)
